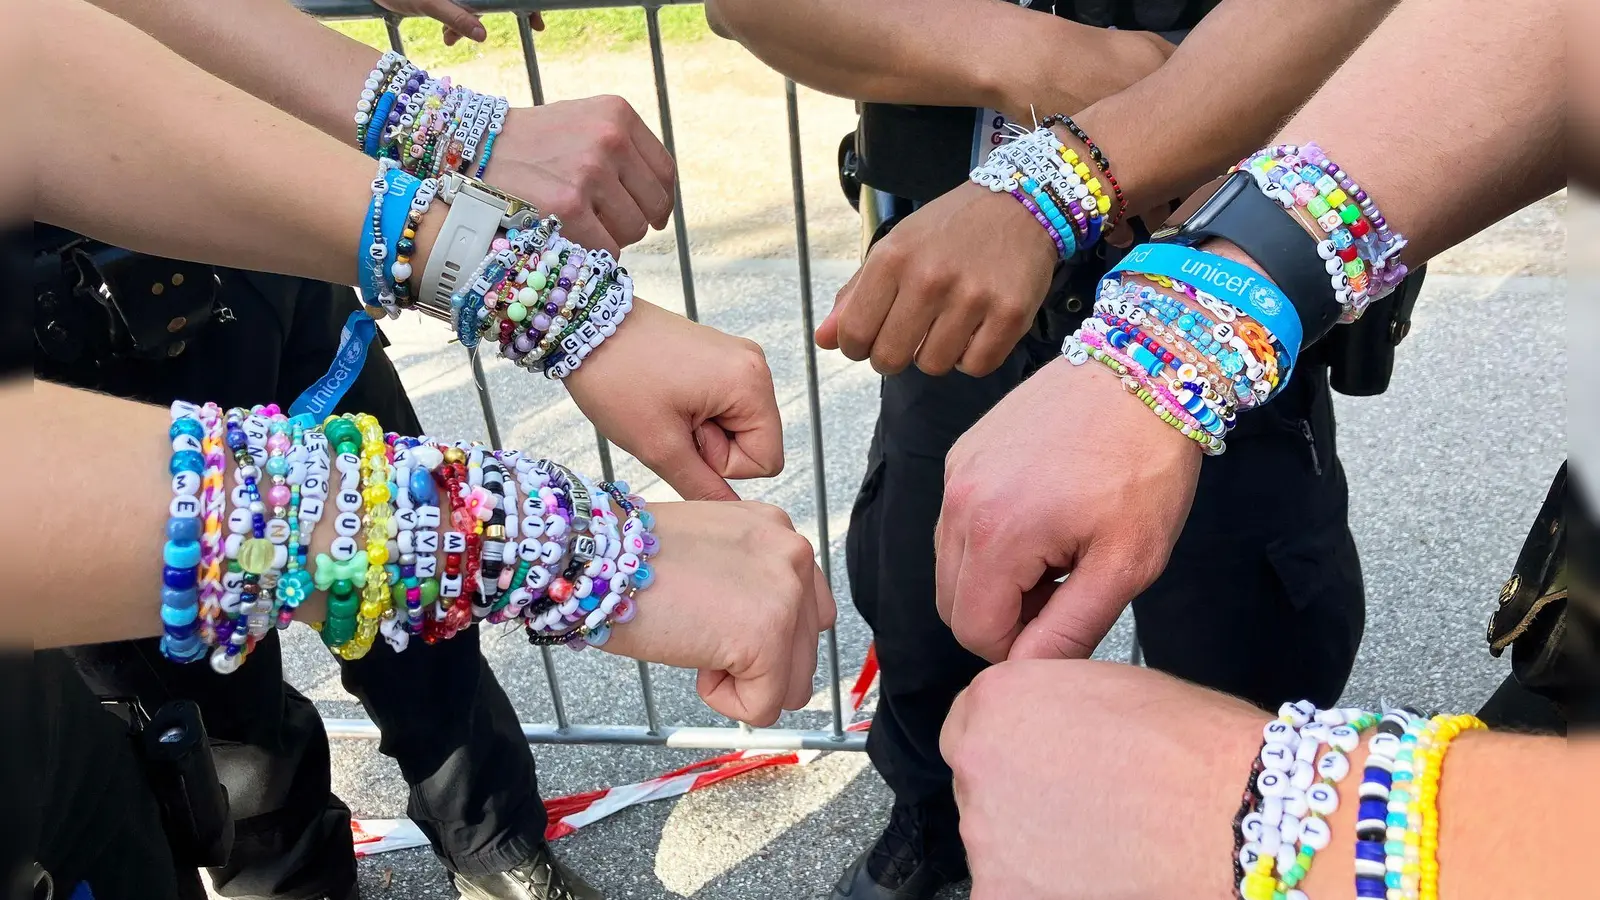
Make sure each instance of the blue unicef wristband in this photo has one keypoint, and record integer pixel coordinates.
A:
(379, 121)
(1239, 285)
(403, 188)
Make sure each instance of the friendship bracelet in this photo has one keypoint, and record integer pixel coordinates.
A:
(180, 555)
(214, 503)
(1101, 162)
(1437, 737)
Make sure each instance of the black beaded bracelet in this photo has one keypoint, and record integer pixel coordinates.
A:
(1100, 161)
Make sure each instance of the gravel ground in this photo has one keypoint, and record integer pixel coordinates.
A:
(1445, 477)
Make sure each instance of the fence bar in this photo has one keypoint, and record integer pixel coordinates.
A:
(675, 737)
(648, 685)
(556, 700)
(819, 472)
(680, 230)
(391, 24)
(530, 58)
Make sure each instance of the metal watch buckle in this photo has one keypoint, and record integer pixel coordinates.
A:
(515, 211)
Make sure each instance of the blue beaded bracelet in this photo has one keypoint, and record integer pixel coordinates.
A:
(180, 555)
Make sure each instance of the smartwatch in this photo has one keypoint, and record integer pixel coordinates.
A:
(1234, 209)
(477, 214)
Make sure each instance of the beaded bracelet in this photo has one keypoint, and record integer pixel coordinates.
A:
(1101, 162)
(180, 555)
(1433, 745)
(343, 569)
(308, 478)
(1382, 819)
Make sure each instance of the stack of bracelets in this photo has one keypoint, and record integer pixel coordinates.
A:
(1056, 185)
(430, 538)
(426, 124)
(1198, 357)
(546, 301)
(1282, 822)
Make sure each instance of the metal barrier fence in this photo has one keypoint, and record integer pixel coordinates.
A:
(563, 730)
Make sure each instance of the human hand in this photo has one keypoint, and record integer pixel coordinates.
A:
(1069, 473)
(738, 596)
(457, 20)
(954, 286)
(693, 404)
(1128, 780)
(593, 162)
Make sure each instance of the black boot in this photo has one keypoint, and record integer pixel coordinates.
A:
(542, 878)
(919, 853)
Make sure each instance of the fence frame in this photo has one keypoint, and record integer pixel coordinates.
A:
(654, 733)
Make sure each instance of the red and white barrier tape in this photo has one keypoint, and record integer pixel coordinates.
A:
(568, 814)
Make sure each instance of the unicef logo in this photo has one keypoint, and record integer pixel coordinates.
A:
(1266, 299)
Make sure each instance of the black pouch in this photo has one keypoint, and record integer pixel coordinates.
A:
(175, 755)
(1361, 355)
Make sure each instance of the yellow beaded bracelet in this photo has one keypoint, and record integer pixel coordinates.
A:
(376, 508)
(1441, 731)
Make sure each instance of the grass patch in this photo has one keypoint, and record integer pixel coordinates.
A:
(566, 32)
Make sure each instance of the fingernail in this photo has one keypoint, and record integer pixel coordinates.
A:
(478, 34)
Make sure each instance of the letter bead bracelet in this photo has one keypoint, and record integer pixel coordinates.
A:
(428, 538)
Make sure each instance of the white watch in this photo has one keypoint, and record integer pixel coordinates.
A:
(478, 212)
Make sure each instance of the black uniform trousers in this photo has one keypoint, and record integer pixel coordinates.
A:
(445, 719)
(1262, 597)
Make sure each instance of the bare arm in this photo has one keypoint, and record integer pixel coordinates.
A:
(1227, 87)
(267, 48)
(982, 53)
(591, 161)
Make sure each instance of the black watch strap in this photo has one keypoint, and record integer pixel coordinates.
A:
(1239, 213)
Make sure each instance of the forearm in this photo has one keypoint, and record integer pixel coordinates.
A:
(267, 48)
(1491, 783)
(980, 53)
(1224, 91)
(150, 153)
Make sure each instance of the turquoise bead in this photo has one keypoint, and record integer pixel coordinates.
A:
(644, 577)
(177, 617)
(277, 465)
(188, 426)
(181, 556)
(589, 603)
(648, 520)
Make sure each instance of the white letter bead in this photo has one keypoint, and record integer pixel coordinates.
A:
(533, 526)
(427, 517)
(348, 464)
(538, 578)
(1291, 713)
(1294, 803)
(343, 548)
(1276, 757)
(1333, 766)
(427, 566)
(349, 501)
(455, 542)
(1289, 830)
(1271, 842)
(310, 509)
(405, 519)
(551, 552)
(618, 583)
(1386, 745)
(232, 582)
(186, 483)
(1252, 826)
(1344, 738)
(1316, 731)
(230, 546)
(1272, 811)
(1316, 834)
(239, 497)
(347, 524)
(1249, 854)
(1272, 784)
(183, 408)
(1277, 732)
(450, 585)
(1306, 751)
(1302, 776)
(427, 542)
(627, 564)
(528, 550)
(1323, 799)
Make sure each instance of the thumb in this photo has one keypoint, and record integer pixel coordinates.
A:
(456, 17)
(1079, 611)
(689, 473)
(827, 335)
